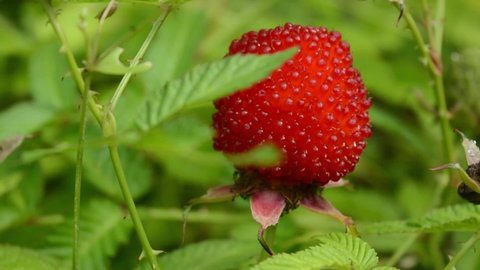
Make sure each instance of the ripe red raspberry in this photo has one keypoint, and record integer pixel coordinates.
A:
(314, 107)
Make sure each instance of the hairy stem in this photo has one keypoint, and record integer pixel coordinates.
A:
(137, 222)
(465, 247)
(78, 178)
(141, 52)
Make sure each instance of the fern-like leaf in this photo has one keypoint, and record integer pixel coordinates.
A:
(335, 251)
(103, 228)
(208, 82)
(462, 217)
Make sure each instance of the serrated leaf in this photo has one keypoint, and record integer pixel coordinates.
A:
(208, 82)
(17, 258)
(103, 228)
(22, 119)
(462, 217)
(208, 255)
(336, 251)
(358, 252)
(100, 173)
(112, 65)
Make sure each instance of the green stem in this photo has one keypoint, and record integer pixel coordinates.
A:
(434, 250)
(137, 222)
(125, 38)
(78, 178)
(96, 40)
(465, 247)
(107, 122)
(72, 63)
(402, 250)
(438, 28)
(141, 52)
(433, 61)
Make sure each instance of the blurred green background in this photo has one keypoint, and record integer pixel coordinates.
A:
(175, 162)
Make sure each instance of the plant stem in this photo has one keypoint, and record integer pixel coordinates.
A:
(438, 28)
(434, 250)
(72, 63)
(78, 178)
(141, 52)
(137, 222)
(433, 61)
(465, 247)
(96, 40)
(402, 250)
(107, 122)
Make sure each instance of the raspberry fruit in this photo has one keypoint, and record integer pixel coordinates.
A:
(314, 107)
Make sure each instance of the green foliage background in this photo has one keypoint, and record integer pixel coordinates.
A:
(393, 188)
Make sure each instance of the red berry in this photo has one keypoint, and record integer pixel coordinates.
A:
(314, 107)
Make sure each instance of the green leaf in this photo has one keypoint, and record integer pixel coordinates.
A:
(335, 251)
(49, 78)
(208, 255)
(17, 258)
(100, 173)
(183, 147)
(21, 189)
(208, 82)
(22, 119)
(112, 65)
(170, 62)
(13, 40)
(462, 217)
(103, 228)
(264, 155)
(355, 250)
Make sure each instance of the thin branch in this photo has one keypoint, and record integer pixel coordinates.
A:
(465, 247)
(78, 178)
(141, 52)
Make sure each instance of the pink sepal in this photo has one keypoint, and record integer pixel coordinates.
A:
(319, 205)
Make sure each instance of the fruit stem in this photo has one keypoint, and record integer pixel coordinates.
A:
(465, 247)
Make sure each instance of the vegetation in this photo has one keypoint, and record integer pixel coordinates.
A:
(105, 137)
